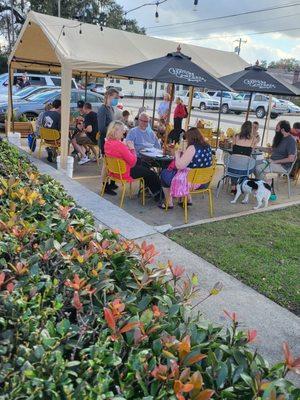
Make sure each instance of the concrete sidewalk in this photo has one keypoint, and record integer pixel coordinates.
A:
(273, 323)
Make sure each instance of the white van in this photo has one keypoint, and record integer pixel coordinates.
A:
(34, 80)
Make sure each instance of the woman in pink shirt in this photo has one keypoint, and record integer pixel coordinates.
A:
(114, 147)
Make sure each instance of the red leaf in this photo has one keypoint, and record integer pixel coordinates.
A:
(109, 318)
(251, 335)
(2, 278)
(128, 327)
(10, 287)
(195, 359)
(205, 394)
(76, 301)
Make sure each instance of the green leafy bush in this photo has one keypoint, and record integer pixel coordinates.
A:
(85, 314)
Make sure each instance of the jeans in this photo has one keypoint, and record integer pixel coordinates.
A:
(150, 177)
(261, 169)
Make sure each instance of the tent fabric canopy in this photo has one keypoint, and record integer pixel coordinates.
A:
(175, 68)
(259, 80)
(47, 42)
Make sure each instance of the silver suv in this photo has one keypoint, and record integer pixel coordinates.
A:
(202, 100)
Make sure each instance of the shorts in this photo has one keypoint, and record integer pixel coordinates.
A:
(83, 139)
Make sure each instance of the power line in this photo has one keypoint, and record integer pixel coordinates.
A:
(231, 26)
(245, 34)
(226, 16)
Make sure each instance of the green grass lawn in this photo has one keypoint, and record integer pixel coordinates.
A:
(261, 250)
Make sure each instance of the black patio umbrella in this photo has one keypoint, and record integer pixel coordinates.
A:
(175, 68)
(256, 79)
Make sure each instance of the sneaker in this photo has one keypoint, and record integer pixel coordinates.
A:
(84, 160)
(113, 186)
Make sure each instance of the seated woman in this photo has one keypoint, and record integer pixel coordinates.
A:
(243, 145)
(114, 147)
(283, 152)
(198, 154)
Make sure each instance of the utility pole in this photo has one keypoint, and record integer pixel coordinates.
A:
(12, 23)
(238, 48)
(58, 8)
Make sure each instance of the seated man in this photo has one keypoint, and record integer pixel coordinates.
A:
(296, 131)
(142, 135)
(283, 152)
(86, 132)
(79, 112)
(51, 119)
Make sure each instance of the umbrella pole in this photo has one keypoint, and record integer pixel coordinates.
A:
(154, 104)
(85, 90)
(191, 96)
(267, 121)
(171, 101)
(249, 105)
(219, 120)
(144, 95)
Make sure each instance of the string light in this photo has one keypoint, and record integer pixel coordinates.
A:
(80, 30)
(156, 13)
(195, 5)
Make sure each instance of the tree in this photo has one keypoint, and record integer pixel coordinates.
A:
(289, 64)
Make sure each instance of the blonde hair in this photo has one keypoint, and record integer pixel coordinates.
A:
(167, 96)
(112, 128)
(179, 99)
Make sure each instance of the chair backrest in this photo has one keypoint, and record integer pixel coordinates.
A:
(115, 166)
(202, 176)
(206, 132)
(49, 134)
(238, 165)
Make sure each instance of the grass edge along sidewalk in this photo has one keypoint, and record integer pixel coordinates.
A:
(261, 250)
(87, 314)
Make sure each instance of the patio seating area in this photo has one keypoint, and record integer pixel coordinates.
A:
(89, 176)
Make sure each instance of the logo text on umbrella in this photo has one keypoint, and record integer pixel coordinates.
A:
(257, 83)
(184, 74)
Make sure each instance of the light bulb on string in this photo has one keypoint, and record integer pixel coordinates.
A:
(156, 17)
(80, 30)
(195, 5)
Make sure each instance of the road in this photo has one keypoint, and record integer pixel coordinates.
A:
(227, 120)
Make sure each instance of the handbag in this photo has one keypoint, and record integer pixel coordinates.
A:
(31, 141)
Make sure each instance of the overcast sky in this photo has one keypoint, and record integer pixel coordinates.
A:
(221, 33)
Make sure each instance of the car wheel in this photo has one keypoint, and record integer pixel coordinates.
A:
(225, 109)
(238, 112)
(260, 112)
(273, 116)
(202, 106)
(31, 116)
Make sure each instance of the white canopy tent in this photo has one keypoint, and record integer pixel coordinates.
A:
(48, 43)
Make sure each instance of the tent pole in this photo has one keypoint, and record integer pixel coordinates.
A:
(249, 105)
(144, 95)
(191, 96)
(171, 101)
(219, 119)
(154, 104)
(267, 121)
(86, 83)
(10, 108)
(66, 79)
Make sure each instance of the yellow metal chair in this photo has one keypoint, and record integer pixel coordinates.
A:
(49, 138)
(230, 133)
(115, 168)
(200, 176)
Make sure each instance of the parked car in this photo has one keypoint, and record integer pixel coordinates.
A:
(34, 104)
(202, 100)
(24, 93)
(238, 103)
(292, 108)
(96, 87)
(34, 80)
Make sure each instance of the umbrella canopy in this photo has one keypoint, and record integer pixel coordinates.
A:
(258, 79)
(174, 68)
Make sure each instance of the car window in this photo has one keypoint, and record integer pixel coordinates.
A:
(239, 97)
(25, 92)
(197, 95)
(37, 80)
(247, 97)
(74, 97)
(56, 81)
(258, 97)
(207, 96)
(226, 95)
(91, 98)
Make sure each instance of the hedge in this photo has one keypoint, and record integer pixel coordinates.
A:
(85, 314)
